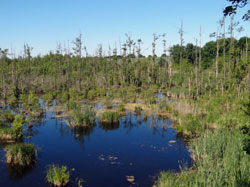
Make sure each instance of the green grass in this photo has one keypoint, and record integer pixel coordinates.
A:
(109, 117)
(58, 176)
(219, 160)
(83, 118)
(21, 154)
(15, 132)
(120, 108)
(164, 107)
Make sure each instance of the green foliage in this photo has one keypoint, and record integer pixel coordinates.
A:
(30, 102)
(193, 123)
(219, 160)
(109, 117)
(49, 97)
(17, 126)
(120, 107)
(84, 117)
(72, 104)
(15, 132)
(5, 117)
(91, 94)
(21, 154)
(246, 106)
(58, 176)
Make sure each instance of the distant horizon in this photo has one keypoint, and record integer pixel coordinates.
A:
(44, 24)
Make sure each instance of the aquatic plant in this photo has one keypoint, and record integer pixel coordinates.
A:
(120, 107)
(138, 110)
(109, 117)
(17, 126)
(58, 176)
(72, 104)
(13, 133)
(219, 160)
(192, 124)
(21, 154)
(30, 103)
(83, 118)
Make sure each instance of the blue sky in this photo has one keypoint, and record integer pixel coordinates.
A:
(44, 23)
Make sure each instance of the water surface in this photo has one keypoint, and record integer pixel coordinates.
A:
(103, 155)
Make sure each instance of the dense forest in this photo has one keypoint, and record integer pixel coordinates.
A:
(208, 86)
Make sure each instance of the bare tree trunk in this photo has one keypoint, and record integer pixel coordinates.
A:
(3, 79)
(196, 69)
(200, 65)
(248, 80)
(224, 57)
(170, 71)
(181, 43)
(217, 61)
(231, 51)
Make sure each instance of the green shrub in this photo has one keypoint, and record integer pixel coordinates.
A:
(15, 132)
(83, 118)
(109, 117)
(120, 107)
(21, 154)
(91, 94)
(30, 102)
(6, 117)
(138, 110)
(58, 176)
(49, 97)
(72, 104)
(17, 126)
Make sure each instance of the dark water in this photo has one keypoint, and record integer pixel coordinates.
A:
(102, 155)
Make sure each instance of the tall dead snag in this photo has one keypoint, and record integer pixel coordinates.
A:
(231, 50)
(247, 62)
(224, 56)
(196, 68)
(200, 65)
(181, 52)
(78, 52)
(3, 55)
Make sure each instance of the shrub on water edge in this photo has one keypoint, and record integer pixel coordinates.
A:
(109, 117)
(91, 94)
(6, 117)
(120, 107)
(138, 110)
(49, 97)
(83, 118)
(108, 102)
(15, 132)
(12, 100)
(30, 102)
(21, 154)
(17, 126)
(71, 104)
(58, 176)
